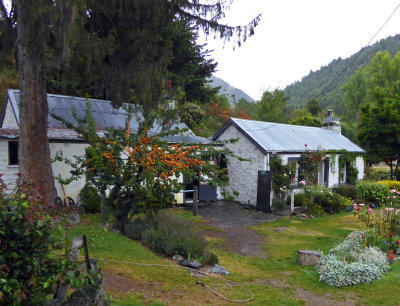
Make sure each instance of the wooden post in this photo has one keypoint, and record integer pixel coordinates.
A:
(195, 197)
(292, 200)
(61, 290)
(85, 248)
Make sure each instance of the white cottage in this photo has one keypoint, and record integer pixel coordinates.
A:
(68, 142)
(257, 141)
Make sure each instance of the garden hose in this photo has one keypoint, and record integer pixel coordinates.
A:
(198, 282)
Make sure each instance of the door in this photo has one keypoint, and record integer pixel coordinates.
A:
(264, 191)
(326, 172)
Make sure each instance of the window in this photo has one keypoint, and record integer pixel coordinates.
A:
(13, 153)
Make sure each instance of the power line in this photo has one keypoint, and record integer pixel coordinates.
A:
(359, 53)
(266, 128)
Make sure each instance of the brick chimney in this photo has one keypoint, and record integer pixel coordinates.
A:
(332, 123)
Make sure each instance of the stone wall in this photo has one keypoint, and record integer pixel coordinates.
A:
(243, 175)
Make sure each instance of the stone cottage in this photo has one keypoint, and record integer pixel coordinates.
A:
(258, 141)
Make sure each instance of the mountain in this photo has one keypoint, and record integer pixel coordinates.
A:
(232, 93)
(315, 84)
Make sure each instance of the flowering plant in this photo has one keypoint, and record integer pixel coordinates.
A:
(282, 175)
(377, 228)
(309, 162)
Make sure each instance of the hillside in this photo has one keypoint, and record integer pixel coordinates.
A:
(313, 84)
(231, 92)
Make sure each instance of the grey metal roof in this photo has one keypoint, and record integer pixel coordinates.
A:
(62, 134)
(278, 137)
(104, 115)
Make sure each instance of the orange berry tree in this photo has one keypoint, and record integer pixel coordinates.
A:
(139, 172)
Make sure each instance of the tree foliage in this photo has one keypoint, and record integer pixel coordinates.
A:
(108, 48)
(379, 129)
(303, 117)
(313, 107)
(272, 105)
(118, 49)
(312, 85)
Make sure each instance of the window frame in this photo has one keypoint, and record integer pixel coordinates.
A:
(12, 161)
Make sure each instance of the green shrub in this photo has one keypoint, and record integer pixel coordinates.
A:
(372, 192)
(90, 199)
(373, 174)
(328, 200)
(134, 229)
(395, 224)
(315, 210)
(350, 264)
(347, 190)
(300, 199)
(391, 184)
(30, 261)
(171, 235)
(278, 203)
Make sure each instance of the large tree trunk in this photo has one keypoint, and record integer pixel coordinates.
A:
(33, 151)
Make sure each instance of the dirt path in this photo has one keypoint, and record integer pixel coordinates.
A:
(233, 219)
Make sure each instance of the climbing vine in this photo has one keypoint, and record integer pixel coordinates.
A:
(282, 175)
(309, 162)
(345, 158)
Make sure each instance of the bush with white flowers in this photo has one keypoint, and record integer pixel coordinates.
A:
(350, 264)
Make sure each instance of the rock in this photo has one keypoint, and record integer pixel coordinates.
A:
(349, 208)
(177, 258)
(191, 264)
(373, 205)
(73, 218)
(220, 270)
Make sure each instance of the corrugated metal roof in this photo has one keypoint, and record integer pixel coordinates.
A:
(67, 134)
(51, 133)
(104, 115)
(277, 137)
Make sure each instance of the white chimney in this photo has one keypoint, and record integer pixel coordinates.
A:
(332, 123)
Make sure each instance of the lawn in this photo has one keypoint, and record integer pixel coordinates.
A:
(275, 280)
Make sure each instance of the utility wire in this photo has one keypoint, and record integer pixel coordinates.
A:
(266, 128)
(359, 53)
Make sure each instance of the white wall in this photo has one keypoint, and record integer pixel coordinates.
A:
(61, 169)
(9, 121)
(243, 175)
(334, 174)
(360, 166)
(9, 173)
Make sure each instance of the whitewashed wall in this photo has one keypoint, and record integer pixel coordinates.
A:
(61, 169)
(9, 173)
(243, 175)
(360, 166)
(334, 174)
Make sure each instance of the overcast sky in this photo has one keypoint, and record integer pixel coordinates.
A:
(295, 37)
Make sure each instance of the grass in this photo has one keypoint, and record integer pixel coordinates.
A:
(277, 280)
